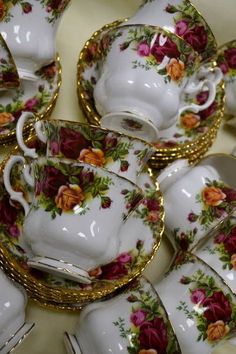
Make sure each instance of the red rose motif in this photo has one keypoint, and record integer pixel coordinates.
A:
(230, 56)
(197, 38)
(52, 180)
(230, 242)
(217, 307)
(72, 142)
(8, 214)
(153, 204)
(113, 270)
(230, 194)
(26, 7)
(153, 335)
(110, 141)
(169, 49)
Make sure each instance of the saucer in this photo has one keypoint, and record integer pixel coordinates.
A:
(190, 131)
(38, 97)
(144, 227)
(17, 338)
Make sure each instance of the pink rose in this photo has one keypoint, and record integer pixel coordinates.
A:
(14, 231)
(181, 27)
(54, 147)
(143, 49)
(220, 238)
(30, 105)
(198, 296)
(124, 258)
(138, 317)
(224, 67)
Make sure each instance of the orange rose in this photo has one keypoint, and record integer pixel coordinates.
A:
(68, 197)
(95, 272)
(213, 196)
(148, 351)
(233, 260)
(190, 121)
(216, 331)
(5, 118)
(153, 216)
(92, 156)
(175, 69)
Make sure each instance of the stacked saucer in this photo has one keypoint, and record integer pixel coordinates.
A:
(189, 136)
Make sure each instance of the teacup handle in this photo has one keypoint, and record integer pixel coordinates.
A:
(30, 152)
(17, 196)
(194, 107)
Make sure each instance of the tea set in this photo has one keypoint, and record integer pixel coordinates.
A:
(83, 210)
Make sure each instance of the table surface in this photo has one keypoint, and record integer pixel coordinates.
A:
(78, 23)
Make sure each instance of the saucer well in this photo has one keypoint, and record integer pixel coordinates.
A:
(189, 133)
(38, 97)
(140, 239)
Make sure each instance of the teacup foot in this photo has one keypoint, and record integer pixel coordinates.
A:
(130, 124)
(16, 338)
(71, 344)
(60, 268)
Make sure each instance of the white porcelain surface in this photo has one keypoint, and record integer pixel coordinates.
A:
(143, 75)
(118, 153)
(70, 224)
(125, 321)
(202, 310)
(29, 29)
(13, 301)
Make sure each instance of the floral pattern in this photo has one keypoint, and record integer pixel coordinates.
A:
(154, 47)
(226, 60)
(22, 101)
(192, 28)
(53, 7)
(130, 260)
(218, 201)
(9, 77)
(92, 145)
(224, 244)
(213, 310)
(149, 330)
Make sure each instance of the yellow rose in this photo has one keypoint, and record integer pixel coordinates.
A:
(213, 196)
(5, 118)
(68, 197)
(175, 69)
(216, 331)
(233, 261)
(190, 121)
(92, 156)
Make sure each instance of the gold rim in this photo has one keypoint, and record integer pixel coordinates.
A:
(42, 291)
(94, 118)
(10, 137)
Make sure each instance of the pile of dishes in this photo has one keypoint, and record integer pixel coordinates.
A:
(150, 50)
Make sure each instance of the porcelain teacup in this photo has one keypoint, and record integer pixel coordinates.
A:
(196, 199)
(9, 77)
(203, 307)
(118, 153)
(13, 327)
(73, 223)
(181, 18)
(145, 73)
(226, 62)
(133, 319)
(29, 29)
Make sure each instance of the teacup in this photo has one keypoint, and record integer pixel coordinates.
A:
(9, 77)
(196, 199)
(226, 62)
(219, 251)
(202, 309)
(145, 73)
(13, 327)
(29, 29)
(73, 223)
(134, 319)
(181, 18)
(118, 153)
